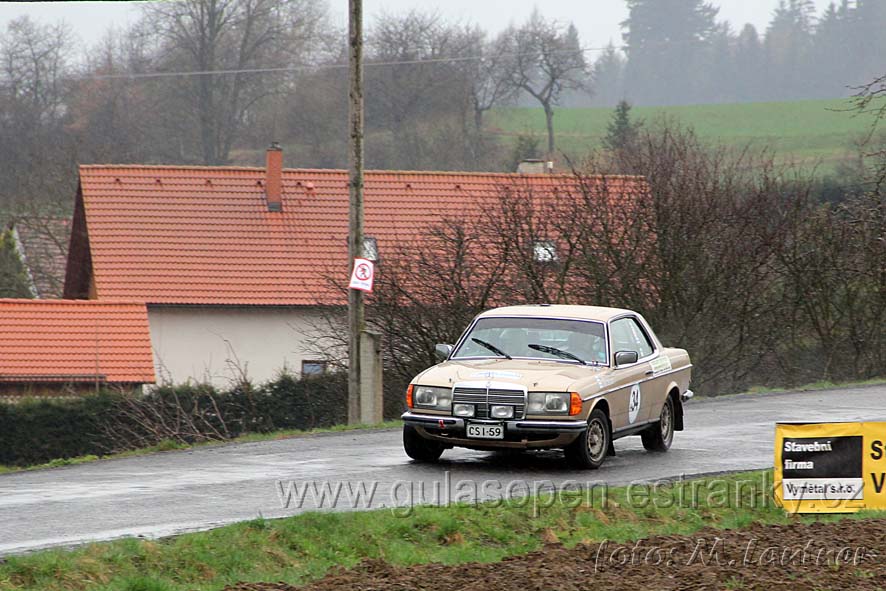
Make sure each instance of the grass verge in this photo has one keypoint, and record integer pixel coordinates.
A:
(170, 445)
(302, 548)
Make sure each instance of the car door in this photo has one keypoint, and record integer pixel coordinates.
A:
(632, 403)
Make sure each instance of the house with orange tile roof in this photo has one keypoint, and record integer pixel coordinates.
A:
(234, 263)
(69, 347)
(42, 244)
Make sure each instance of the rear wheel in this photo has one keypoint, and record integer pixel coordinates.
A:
(591, 447)
(659, 436)
(418, 448)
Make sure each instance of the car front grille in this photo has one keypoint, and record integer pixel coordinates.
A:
(482, 399)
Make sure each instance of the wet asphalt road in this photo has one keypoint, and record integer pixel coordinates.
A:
(169, 493)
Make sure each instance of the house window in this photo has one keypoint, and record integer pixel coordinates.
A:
(313, 368)
(544, 251)
(370, 248)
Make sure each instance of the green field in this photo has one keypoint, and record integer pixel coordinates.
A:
(811, 133)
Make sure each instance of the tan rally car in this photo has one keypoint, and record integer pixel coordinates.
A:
(549, 376)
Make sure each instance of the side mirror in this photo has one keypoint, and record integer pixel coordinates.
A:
(626, 358)
(443, 351)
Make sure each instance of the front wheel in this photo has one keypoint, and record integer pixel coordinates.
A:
(418, 448)
(591, 447)
(659, 436)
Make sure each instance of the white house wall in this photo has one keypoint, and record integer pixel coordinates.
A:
(219, 344)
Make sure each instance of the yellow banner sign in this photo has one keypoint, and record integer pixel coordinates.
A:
(830, 467)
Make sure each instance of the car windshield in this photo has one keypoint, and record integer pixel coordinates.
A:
(571, 341)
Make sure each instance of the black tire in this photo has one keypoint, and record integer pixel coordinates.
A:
(660, 435)
(418, 448)
(592, 446)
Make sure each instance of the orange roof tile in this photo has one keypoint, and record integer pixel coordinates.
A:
(204, 235)
(74, 341)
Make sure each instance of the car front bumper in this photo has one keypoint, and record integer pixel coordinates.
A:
(519, 433)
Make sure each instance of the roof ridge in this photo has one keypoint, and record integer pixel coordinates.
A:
(475, 173)
(40, 301)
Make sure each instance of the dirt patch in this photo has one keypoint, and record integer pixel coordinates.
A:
(848, 554)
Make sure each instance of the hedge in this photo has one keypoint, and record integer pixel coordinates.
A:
(38, 431)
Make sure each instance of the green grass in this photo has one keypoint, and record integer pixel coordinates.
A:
(807, 132)
(304, 547)
(170, 445)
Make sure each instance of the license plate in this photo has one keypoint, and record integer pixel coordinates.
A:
(486, 431)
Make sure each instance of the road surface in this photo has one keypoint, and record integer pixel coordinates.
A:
(169, 493)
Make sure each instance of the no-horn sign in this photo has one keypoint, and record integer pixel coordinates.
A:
(830, 467)
(363, 275)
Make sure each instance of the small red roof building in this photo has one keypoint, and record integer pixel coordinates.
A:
(74, 343)
(234, 263)
(207, 235)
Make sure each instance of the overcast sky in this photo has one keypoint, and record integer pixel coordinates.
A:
(597, 20)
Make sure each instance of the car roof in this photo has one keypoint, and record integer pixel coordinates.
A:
(598, 313)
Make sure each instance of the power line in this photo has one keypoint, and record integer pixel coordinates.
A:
(344, 66)
(306, 67)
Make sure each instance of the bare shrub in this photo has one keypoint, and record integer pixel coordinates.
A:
(725, 253)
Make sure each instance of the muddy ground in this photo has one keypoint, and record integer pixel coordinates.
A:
(842, 555)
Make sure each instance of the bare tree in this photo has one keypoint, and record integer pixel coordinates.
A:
(34, 61)
(430, 289)
(544, 59)
(230, 37)
(119, 119)
(836, 279)
(871, 100)
(416, 92)
(314, 114)
(487, 81)
(727, 255)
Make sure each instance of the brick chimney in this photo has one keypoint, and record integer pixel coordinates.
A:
(274, 177)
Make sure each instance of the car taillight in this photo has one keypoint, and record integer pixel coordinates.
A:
(574, 404)
(409, 396)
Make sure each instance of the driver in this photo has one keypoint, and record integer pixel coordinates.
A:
(586, 346)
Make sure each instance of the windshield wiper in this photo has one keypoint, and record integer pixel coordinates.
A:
(557, 352)
(491, 347)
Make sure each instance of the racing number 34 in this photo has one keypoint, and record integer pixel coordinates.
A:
(634, 403)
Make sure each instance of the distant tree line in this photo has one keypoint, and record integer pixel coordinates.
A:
(213, 81)
(677, 52)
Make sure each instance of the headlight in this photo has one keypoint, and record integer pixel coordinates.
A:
(551, 403)
(463, 410)
(431, 397)
(502, 412)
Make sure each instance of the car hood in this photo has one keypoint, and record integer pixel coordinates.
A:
(534, 375)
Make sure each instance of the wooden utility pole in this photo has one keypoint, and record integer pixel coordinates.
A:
(355, 232)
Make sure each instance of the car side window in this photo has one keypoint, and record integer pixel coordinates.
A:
(628, 335)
